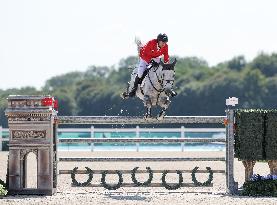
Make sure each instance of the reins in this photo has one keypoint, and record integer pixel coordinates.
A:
(158, 90)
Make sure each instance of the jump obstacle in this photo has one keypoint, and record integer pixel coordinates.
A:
(33, 123)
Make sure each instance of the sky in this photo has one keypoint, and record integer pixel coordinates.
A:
(40, 39)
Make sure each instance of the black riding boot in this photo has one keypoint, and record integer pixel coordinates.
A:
(143, 76)
(132, 93)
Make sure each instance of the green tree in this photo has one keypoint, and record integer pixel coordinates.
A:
(237, 63)
(65, 80)
(266, 63)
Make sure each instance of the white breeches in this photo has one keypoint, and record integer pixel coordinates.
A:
(142, 67)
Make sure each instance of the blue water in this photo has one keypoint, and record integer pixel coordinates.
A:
(142, 146)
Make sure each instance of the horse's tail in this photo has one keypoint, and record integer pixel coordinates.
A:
(138, 43)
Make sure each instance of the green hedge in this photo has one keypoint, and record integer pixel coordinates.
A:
(271, 135)
(260, 188)
(3, 188)
(256, 134)
(249, 134)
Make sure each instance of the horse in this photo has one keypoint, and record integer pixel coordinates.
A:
(156, 87)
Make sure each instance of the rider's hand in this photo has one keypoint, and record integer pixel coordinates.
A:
(154, 63)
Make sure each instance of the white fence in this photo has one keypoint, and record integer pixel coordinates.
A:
(137, 130)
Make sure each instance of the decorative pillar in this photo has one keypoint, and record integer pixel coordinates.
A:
(32, 128)
(232, 186)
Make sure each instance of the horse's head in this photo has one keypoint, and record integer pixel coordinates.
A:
(168, 76)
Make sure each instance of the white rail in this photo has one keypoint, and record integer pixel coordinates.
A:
(139, 120)
(137, 130)
(65, 130)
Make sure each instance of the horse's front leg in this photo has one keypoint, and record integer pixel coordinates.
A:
(148, 113)
(163, 103)
(162, 114)
(148, 105)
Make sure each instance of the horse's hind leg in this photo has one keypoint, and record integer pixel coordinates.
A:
(125, 94)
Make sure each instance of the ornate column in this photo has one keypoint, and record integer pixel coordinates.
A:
(232, 185)
(31, 121)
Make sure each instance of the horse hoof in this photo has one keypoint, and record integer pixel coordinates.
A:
(124, 95)
(161, 116)
(147, 117)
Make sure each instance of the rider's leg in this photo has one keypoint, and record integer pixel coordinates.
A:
(148, 67)
(132, 93)
(142, 67)
(143, 75)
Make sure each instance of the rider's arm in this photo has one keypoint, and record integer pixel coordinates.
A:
(162, 51)
(165, 53)
(150, 51)
(156, 53)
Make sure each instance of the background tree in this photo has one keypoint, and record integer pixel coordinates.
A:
(202, 89)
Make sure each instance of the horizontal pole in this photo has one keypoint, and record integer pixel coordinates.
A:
(137, 159)
(151, 185)
(167, 130)
(138, 171)
(135, 140)
(26, 110)
(140, 120)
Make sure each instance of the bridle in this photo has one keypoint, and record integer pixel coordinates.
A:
(160, 80)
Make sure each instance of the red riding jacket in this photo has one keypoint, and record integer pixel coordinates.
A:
(150, 50)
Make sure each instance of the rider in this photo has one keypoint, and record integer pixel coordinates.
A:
(149, 53)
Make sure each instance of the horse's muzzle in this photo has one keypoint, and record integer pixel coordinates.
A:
(168, 92)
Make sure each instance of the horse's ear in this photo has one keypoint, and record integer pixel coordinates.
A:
(162, 63)
(174, 62)
(168, 66)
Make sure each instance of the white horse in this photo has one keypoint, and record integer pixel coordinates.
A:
(156, 88)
